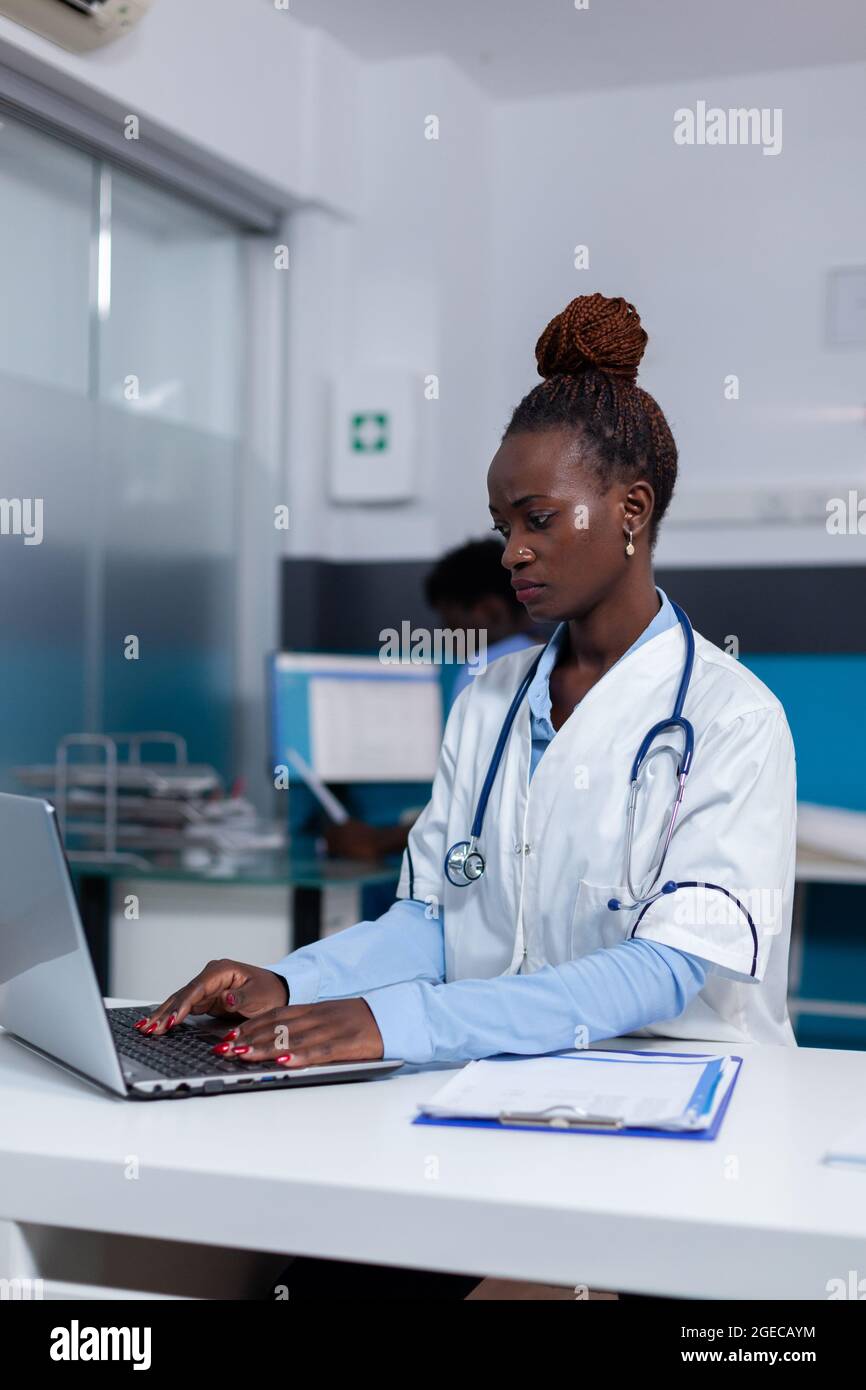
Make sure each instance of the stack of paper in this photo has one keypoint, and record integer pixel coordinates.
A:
(593, 1088)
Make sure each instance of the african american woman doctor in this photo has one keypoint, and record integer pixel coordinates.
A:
(609, 844)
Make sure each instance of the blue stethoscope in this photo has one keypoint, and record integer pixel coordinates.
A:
(464, 862)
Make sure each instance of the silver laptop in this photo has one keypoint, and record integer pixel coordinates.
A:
(50, 999)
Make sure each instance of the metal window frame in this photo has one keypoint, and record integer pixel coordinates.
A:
(162, 158)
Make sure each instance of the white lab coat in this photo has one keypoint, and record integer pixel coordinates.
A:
(555, 845)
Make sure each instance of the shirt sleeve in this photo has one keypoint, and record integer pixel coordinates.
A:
(732, 853)
(605, 994)
(404, 944)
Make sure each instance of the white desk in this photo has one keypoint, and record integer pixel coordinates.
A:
(815, 867)
(340, 1171)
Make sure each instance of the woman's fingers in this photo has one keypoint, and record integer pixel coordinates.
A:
(268, 1034)
(209, 991)
(163, 1017)
(233, 998)
(313, 1043)
(306, 1035)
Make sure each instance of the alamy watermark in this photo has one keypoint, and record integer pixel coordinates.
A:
(87, 1343)
(846, 516)
(853, 1287)
(439, 646)
(706, 905)
(738, 125)
(22, 516)
(22, 1289)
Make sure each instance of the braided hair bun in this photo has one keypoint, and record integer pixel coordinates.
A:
(588, 356)
(592, 331)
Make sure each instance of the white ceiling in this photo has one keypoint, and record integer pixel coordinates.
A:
(520, 48)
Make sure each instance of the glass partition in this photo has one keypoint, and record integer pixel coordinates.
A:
(46, 215)
(171, 324)
(121, 343)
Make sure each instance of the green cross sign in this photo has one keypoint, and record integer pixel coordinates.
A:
(369, 432)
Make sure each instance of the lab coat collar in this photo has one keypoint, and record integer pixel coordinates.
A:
(538, 695)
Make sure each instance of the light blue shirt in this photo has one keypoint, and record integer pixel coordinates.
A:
(397, 964)
(538, 694)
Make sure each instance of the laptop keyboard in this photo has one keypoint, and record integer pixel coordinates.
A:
(182, 1052)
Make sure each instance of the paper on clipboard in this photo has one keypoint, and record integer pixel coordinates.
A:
(641, 1091)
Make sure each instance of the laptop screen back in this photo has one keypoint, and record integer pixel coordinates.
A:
(49, 995)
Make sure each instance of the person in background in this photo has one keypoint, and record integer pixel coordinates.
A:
(471, 592)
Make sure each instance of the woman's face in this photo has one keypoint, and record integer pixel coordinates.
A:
(544, 499)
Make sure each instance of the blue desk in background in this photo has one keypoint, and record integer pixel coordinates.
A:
(825, 700)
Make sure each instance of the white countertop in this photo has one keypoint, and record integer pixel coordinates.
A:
(341, 1171)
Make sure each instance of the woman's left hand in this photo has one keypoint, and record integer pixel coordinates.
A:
(307, 1035)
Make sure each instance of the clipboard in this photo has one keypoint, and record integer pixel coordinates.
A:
(623, 1132)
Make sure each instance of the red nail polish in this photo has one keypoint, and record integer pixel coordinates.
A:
(233, 1033)
(239, 1051)
(151, 1028)
(171, 1021)
(230, 999)
(286, 1057)
(222, 1048)
(140, 1024)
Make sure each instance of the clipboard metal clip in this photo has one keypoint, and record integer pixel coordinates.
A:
(557, 1117)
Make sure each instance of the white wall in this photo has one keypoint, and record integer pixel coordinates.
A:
(449, 256)
(463, 250)
(409, 284)
(242, 82)
(725, 253)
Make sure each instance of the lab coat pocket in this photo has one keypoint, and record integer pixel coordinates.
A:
(594, 924)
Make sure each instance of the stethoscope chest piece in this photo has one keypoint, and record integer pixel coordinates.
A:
(464, 864)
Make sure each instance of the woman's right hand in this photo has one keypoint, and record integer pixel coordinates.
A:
(224, 987)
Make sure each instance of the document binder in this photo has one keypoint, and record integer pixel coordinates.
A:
(553, 1123)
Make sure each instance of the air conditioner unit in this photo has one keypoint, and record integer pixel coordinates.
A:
(78, 25)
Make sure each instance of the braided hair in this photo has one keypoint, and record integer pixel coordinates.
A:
(588, 356)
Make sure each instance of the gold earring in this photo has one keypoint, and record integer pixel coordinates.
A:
(629, 550)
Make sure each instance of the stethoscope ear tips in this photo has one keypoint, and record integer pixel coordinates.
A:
(614, 904)
(669, 887)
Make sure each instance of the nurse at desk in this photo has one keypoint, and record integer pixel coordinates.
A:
(609, 844)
